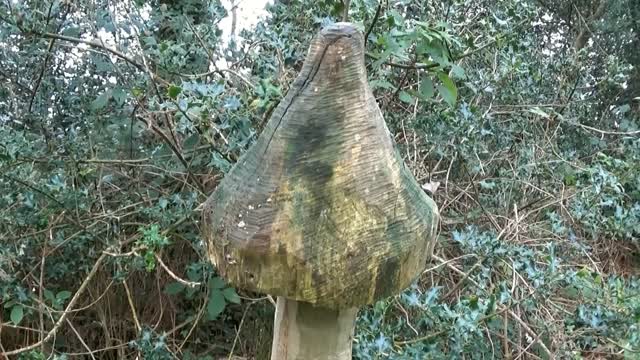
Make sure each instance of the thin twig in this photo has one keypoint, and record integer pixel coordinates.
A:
(134, 313)
(41, 75)
(41, 285)
(536, 337)
(174, 276)
(89, 351)
(463, 279)
(195, 322)
(373, 22)
(235, 339)
(444, 263)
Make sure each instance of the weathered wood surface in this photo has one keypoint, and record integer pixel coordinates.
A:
(304, 332)
(322, 209)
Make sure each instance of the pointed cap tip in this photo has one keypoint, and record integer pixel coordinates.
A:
(340, 29)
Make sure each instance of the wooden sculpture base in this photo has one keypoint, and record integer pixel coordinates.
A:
(304, 332)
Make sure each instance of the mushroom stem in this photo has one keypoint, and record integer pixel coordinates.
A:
(305, 332)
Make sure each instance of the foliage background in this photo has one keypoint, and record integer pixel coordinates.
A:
(521, 118)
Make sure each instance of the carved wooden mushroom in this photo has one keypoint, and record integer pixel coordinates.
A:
(322, 212)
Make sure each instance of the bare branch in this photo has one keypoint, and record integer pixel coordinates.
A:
(373, 22)
(174, 276)
(95, 45)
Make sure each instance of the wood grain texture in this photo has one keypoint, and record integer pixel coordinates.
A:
(322, 208)
(304, 332)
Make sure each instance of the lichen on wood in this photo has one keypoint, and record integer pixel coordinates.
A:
(322, 208)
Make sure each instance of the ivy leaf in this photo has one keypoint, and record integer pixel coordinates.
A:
(231, 295)
(17, 313)
(405, 97)
(101, 101)
(218, 162)
(48, 294)
(216, 283)
(63, 295)
(191, 142)
(216, 304)
(448, 89)
(173, 288)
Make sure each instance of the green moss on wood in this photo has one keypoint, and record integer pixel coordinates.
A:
(321, 209)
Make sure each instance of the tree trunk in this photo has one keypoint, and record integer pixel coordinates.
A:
(304, 332)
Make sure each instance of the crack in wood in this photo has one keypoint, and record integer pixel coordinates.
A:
(305, 84)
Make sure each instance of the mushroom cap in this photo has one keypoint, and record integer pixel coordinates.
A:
(321, 208)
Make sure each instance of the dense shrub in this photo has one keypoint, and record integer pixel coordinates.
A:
(520, 118)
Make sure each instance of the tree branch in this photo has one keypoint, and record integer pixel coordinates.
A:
(41, 75)
(345, 10)
(373, 22)
(95, 45)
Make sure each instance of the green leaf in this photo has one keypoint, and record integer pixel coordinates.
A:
(381, 58)
(48, 294)
(405, 97)
(173, 288)
(458, 72)
(216, 283)
(338, 8)
(150, 261)
(174, 91)
(231, 295)
(570, 180)
(17, 313)
(216, 304)
(219, 162)
(582, 273)
(119, 96)
(473, 302)
(136, 92)
(381, 83)
(488, 185)
(191, 142)
(101, 101)
(9, 304)
(426, 87)
(63, 295)
(72, 31)
(491, 304)
(448, 89)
